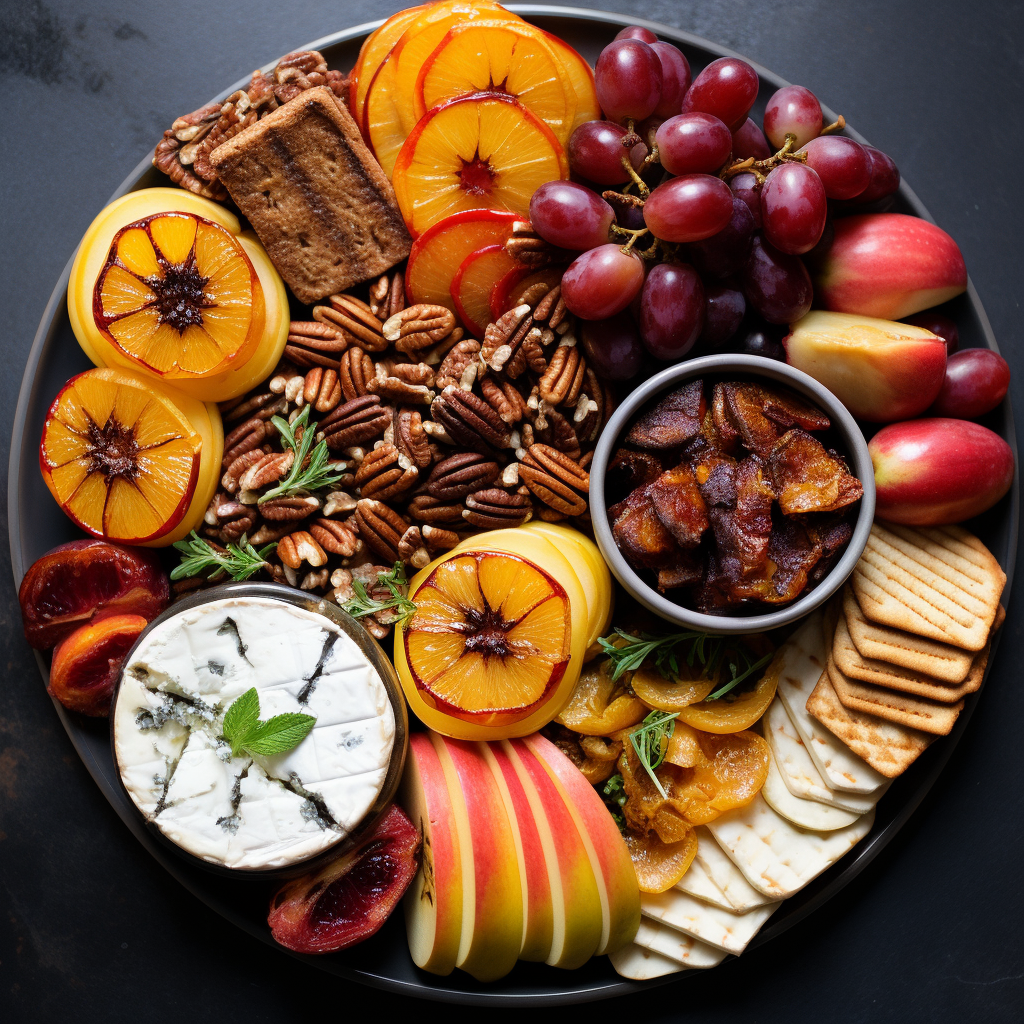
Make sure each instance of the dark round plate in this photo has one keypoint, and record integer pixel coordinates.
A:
(37, 524)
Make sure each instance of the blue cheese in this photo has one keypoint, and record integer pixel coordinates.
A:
(244, 812)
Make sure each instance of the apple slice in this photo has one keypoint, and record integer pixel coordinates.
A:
(433, 904)
(581, 75)
(533, 872)
(492, 904)
(577, 919)
(609, 857)
(473, 283)
(439, 252)
(505, 293)
(475, 151)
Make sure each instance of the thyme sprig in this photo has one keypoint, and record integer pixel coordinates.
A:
(239, 561)
(651, 740)
(394, 579)
(314, 475)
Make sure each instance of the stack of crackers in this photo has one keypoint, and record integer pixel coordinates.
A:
(908, 640)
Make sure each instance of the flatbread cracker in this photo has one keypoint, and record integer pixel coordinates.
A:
(897, 647)
(684, 949)
(938, 582)
(887, 747)
(699, 884)
(805, 660)
(809, 814)
(901, 708)
(724, 929)
(777, 857)
(739, 893)
(799, 771)
(639, 964)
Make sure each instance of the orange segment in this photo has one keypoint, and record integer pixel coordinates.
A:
(382, 124)
(582, 77)
(494, 57)
(179, 297)
(474, 282)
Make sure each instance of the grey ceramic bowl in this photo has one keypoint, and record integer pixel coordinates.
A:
(748, 366)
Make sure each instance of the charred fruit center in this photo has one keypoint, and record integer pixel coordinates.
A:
(114, 450)
(477, 176)
(488, 633)
(353, 896)
(180, 295)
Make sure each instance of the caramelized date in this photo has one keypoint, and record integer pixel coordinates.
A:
(630, 469)
(639, 533)
(675, 420)
(807, 478)
(678, 504)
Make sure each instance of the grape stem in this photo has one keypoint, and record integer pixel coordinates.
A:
(632, 235)
(760, 168)
(629, 140)
(836, 126)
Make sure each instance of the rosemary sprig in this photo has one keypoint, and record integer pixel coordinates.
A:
(738, 676)
(394, 579)
(614, 796)
(240, 560)
(312, 476)
(651, 741)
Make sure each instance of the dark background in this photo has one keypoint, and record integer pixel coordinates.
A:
(91, 928)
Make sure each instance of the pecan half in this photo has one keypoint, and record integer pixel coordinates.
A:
(387, 295)
(469, 421)
(245, 437)
(504, 338)
(354, 423)
(313, 343)
(338, 538)
(290, 509)
(461, 474)
(428, 509)
(385, 473)
(438, 539)
(455, 364)
(555, 479)
(295, 548)
(551, 310)
(263, 404)
(267, 470)
(380, 527)
(337, 502)
(355, 371)
(233, 473)
(406, 433)
(419, 327)
(494, 509)
(229, 518)
(550, 427)
(404, 383)
(412, 550)
(527, 247)
(504, 398)
(355, 320)
(563, 378)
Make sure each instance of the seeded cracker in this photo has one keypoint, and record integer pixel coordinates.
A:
(322, 207)
(940, 582)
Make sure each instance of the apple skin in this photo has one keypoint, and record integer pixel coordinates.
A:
(935, 471)
(880, 370)
(889, 265)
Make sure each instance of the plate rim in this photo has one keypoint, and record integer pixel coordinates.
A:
(875, 842)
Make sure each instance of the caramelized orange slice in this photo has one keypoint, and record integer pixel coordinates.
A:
(581, 75)
(121, 458)
(473, 283)
(660, 865)
(179, 296)
(482, 151)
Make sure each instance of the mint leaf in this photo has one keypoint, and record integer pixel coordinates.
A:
(241, 719)
(280, 733)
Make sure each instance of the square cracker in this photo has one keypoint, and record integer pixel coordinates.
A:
(938, 582)
(887, 747)
(897, 647)
(854, 665)
(901, 708)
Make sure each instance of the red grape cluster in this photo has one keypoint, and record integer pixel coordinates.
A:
(694, 226)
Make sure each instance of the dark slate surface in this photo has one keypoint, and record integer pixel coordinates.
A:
(92, 929)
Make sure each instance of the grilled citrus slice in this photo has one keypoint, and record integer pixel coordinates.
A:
(480, 151)
(487, 56)
(129, 461)
(581, 75)
(473, 283)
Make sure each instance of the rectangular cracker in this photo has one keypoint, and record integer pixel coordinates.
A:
(887, 747)
(854, 665)
(805, 660)
(728, 878)
(699, 884)
(724, 929)
(901, 708)
(776, 857)
(319, 201)
(676, 945)
(938, 582)
(639, 964)
(944, 662)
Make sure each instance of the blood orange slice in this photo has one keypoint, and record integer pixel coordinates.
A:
(473, 283)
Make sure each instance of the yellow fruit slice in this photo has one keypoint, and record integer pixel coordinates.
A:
(487, 56)
(582, 77)
(483, 151)
(660, 865)
(125, 459)
(383, 126)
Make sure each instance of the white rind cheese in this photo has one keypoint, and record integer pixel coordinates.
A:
(244, 812)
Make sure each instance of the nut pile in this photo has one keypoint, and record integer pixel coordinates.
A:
(435, 435)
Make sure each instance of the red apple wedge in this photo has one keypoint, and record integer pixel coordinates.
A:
(575, 898)
(492, 904)
(433, 904)
(889, 265)
(533, 872)
(609, 857)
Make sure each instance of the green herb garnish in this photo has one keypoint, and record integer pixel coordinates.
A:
(614, 795)
(240, 560)
(651, 741)
(315, 475)
(394, 579)
(245, 732)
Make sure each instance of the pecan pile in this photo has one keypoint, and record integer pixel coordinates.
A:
(183, 154)
(435, 435)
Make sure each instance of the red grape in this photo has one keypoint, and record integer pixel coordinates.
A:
(776, 285)
(689, 208)
(693, 144)
(760, 342)
(885, 176)
(675, 78)
(937, 324)
(727, 88)
(793, 208)
(976, 382)
(724, 308)
(841, 164)
(628, 78)
(628, 216)
(814, 259)
(749, 140)
(595, 152)
(637, 32)
(612, 347)
(570, 216)
(671, 310)
(744, 186)
(602, 282)
(726, 252)
(792, 110)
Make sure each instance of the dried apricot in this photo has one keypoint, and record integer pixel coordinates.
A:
(660, 865)
(739, 709)
(598, 706)
(672, 694)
